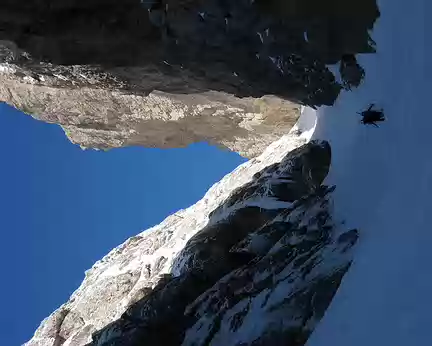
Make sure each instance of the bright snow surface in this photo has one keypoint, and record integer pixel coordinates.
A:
(383, 179)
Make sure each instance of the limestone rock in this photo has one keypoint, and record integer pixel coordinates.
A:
(167, 73)
(95, 117)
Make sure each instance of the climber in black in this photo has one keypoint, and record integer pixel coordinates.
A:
(372, 116)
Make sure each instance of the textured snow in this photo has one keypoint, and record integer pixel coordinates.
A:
(251, 328)
(384, 185)
(7, 69)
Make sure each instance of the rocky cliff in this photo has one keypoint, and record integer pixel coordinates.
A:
(167, 73)
(259, 258)
(255, 262)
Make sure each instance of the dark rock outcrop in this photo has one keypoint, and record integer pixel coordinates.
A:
(351, 72)
(255, 262)
(274, 46)
(262, 272)
(131, 271)
(169, 73)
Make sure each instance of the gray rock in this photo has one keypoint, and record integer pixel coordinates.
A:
(206, 273)
(94, 114)
(258, 276)
(156, 74)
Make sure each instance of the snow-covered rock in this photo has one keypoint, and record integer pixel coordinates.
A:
(260, 243)
(261, 272)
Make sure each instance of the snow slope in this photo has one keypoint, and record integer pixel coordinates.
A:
(384, 188)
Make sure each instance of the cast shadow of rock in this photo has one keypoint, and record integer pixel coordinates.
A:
(262, 272)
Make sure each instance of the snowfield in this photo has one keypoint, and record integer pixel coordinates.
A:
(383, 179)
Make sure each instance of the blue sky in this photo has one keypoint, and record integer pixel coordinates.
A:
(63, 208)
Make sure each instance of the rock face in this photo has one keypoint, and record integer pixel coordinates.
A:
(255, 262)
(167, 73)
(103, 118)
(259, 258)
